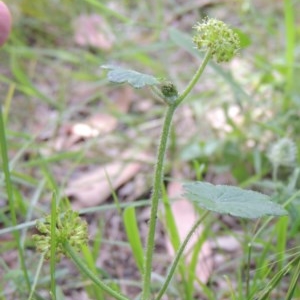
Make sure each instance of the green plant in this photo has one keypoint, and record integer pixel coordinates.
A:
(219, 43)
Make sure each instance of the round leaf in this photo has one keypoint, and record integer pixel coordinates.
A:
(232, 200)
(134, 78)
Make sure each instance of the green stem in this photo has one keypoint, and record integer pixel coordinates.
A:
(156, 194)
(53, 247)
(10, 196)
(275, 172)
(178, 256)
(194, 79)
(36, 278)
(248, 270)
(158, 178)
(78, 261)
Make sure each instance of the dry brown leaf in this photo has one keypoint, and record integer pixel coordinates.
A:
(122, 97)
(98, 124)
(93, 188)
(82, 295)
(185, 217)
(227, 243)
(92, 31)
(71, 134)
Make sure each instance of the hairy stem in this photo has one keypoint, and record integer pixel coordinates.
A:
(194, 79)
(158, 178)
(156, 194)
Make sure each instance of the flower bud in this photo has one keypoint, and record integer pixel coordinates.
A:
(169, 91)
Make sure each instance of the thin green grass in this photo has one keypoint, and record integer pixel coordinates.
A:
(290, 33)
(90, 260)
(11, 198)
(53, 246)
(174, 237)
(133, 235)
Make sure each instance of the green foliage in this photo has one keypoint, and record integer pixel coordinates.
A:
(245, 40)
(42, 68)
(222, 44)
(134, 78)
(232, 200)
(131, 227)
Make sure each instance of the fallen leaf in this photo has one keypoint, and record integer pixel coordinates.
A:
(98, 124)
(92, 31)
(93, 188)
(82, 295)
(227, 243)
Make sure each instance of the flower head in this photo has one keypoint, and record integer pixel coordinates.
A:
(216, 36)
(283, 153)
(69, 228)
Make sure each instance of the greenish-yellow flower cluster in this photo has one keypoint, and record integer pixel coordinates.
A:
(70, 228)
(216, 36)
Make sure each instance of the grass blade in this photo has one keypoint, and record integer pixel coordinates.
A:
(94, 290)
(53, 246)
(294, 282)
(174, 238)
(290, 34)
(133, 235)
(10, 195)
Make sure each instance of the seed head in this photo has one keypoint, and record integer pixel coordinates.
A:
(216, 36)
(283, 153)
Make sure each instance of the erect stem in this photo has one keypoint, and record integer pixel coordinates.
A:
(158, 178)
(195, 78)
(156, 194)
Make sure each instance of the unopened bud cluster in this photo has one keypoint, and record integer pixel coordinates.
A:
(69, 228)
(216, 36)
(169, 91)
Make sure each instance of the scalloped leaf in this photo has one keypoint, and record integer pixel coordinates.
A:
(232, 200)
(134, 78)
